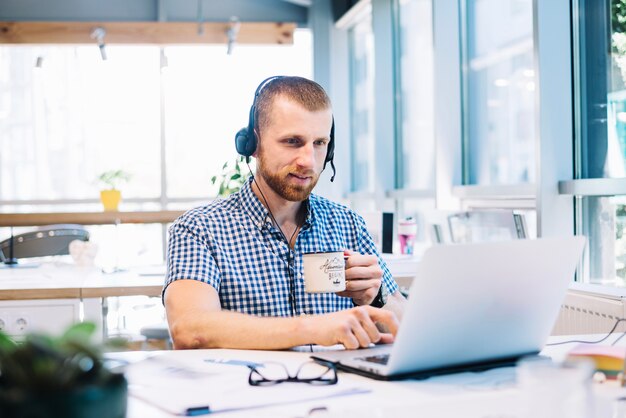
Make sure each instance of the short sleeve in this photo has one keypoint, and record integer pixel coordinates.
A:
(366, 246)
(189, 254)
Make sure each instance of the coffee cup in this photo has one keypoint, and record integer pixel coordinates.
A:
(324, 272)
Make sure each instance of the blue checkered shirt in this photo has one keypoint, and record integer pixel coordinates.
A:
(232, 245)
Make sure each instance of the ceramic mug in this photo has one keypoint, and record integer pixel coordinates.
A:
(324, 272)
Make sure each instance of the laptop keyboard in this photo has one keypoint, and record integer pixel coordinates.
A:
(379, 359)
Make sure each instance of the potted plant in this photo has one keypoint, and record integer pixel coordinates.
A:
(111, 196)
(44, 376)
(232, 177)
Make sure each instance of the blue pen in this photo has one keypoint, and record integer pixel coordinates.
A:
(234, 362)
(197, 410)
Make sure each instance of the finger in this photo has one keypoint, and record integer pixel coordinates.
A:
(349, 341)
(361, 335)
(358, 285)
(360, 298)
(387, 318)
(358, 294)
(371, 272)
(386, 338)
(357, 259)
(370, 327)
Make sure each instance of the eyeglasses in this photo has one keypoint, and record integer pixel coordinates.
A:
(311, 372)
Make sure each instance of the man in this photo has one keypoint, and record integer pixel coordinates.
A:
(235, 265)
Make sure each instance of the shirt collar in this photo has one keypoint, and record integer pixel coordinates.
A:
(259, 213)
(253, 206)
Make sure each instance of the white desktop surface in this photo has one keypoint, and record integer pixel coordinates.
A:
(50, 297)
(50, 281)
(493, 393)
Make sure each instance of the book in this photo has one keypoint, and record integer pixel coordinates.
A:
(608, 359)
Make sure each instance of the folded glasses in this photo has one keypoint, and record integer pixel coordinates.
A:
(311, 372)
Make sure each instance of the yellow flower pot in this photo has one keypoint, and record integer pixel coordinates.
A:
(110, 199)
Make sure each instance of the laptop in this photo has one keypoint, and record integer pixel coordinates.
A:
(473, 307)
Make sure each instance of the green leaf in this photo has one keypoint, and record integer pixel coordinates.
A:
(6, 343)
(81, 331)
(113, 178)
(235, 176)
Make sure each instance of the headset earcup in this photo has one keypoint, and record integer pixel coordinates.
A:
(245, 143)
(330, 153)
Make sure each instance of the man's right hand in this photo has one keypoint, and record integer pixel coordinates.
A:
(354, 328)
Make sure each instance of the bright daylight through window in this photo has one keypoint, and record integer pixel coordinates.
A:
(66, 116)
(499, 90)
(601, 142)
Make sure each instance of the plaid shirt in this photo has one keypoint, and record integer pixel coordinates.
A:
(233, 245)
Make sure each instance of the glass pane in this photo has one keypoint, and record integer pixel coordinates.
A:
(117, 247)
(605, 227)
(127, 245)
(601, 99)
(74, 116)
(602, 89)
(362, 105)
(500, 98)
(417, 83)
(208, 95)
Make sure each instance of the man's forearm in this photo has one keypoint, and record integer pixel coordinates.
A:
(196, 320)
(219, 329)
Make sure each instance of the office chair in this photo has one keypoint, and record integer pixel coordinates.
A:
(45, 241)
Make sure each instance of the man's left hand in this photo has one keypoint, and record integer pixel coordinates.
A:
(363, 277)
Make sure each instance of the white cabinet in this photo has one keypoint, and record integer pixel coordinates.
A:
(19, 317)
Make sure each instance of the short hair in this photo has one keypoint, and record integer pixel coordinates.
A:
(303, 91)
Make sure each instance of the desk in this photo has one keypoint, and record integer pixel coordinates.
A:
(51, 296)
(468, 395)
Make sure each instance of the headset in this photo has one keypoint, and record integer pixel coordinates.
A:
(246, 140)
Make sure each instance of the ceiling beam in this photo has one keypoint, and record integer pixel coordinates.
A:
(143, 33)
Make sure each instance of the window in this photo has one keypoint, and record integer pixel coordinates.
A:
(168, 116)
(75, 116)
(415, 46)
(362, 104)
(498, 90)
(600, 61)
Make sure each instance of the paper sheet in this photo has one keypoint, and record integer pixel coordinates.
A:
(176, 387)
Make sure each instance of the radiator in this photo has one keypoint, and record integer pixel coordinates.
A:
(589, 313)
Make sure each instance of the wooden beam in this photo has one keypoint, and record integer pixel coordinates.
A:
(161, 33)
(88, 218)
(29, 294)
(103, 292)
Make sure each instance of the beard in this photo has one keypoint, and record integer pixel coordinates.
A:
(279, 183)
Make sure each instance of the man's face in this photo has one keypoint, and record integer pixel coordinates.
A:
(292, 148)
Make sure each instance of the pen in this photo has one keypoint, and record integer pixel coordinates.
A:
(197, 410)
(233, 362)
